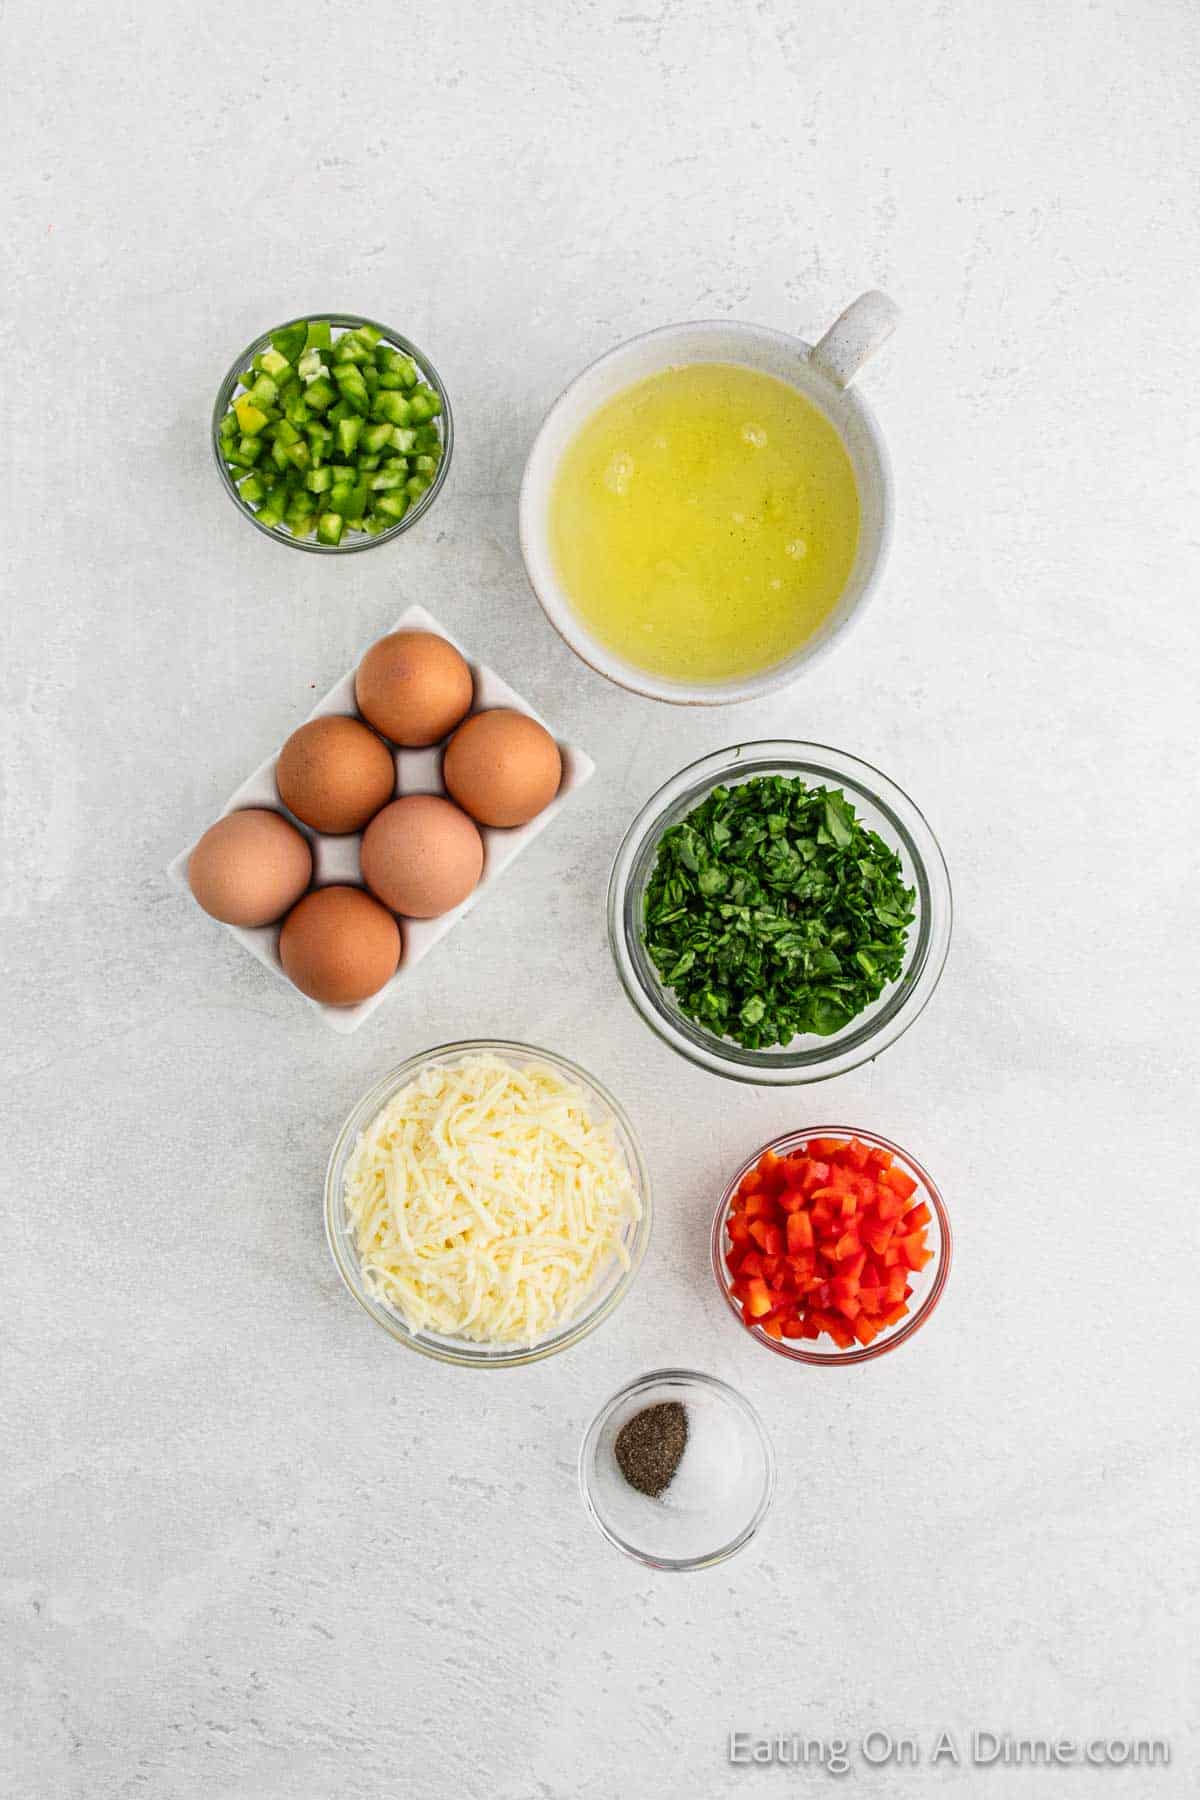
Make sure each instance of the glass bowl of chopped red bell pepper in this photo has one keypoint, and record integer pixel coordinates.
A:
(323, 462)
(831, 1245)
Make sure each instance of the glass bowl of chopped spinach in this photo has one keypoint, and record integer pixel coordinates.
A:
(779, 912)
(332, 433)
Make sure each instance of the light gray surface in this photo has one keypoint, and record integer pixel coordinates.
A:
(251, 1551)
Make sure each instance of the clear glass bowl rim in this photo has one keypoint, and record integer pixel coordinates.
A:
(845, 1051)
(643, 1384)
(480, 1356)
(861, 1353)
(361, 541)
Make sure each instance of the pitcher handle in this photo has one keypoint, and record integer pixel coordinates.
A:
(853, 339)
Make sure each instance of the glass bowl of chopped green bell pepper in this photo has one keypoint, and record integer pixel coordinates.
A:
(779, 912)
(332, 433)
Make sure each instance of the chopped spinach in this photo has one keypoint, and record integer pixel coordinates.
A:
(772, 911)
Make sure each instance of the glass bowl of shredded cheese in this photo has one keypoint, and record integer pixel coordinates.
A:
(487, 1203)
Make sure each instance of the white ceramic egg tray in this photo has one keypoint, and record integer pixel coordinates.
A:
(336, 859)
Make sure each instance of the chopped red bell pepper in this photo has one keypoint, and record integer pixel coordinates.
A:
(758, 1300)
(899, 1181)
(875, 1233)
(913, 1250)
(799, 1232)
(823, 1242)
(888, 1203)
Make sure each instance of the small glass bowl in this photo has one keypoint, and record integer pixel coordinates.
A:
(927, 1283)
(882, 807)
(713, 1507)
(355, 540)
(610, 1289)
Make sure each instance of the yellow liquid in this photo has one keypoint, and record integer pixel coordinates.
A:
(704, 522)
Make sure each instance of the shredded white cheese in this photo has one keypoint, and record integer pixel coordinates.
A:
(486, 1202)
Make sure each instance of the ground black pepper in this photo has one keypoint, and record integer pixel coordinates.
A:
(649, 1446)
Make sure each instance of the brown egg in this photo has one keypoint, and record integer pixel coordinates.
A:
(502, 767)
(339, 946)
(421, 855)
(335, 774)
(250, 867)
(414, 687)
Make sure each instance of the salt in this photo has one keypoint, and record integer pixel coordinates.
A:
(712, 1463)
